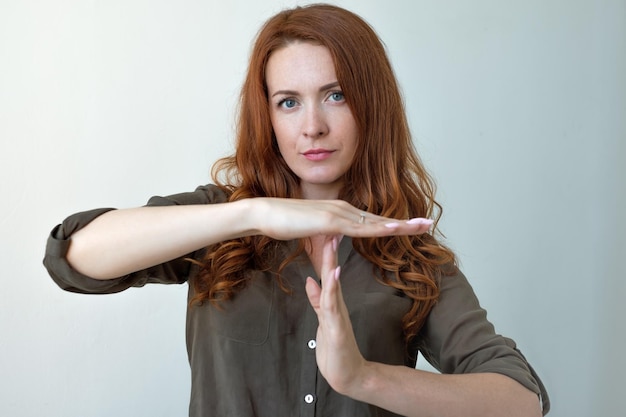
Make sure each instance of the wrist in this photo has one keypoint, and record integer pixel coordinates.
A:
(250, 215)
(365, 382)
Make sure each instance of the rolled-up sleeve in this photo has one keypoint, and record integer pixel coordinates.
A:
(176, 271)
(457, 338)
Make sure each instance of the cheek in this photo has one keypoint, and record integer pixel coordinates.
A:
(280, 141)
(282, 133)
(276, 130)
(283, 145)
(352, 133)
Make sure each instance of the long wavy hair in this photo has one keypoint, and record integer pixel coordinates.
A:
(386, 176)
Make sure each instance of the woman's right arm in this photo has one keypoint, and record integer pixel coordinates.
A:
(120, 242)
(123, 241)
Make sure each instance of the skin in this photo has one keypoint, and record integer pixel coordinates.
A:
(316, 118)
(314, 127)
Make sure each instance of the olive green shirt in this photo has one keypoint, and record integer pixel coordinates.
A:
(256, 356)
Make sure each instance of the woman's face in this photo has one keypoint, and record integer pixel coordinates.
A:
(313, 124)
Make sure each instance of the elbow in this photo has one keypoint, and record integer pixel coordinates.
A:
(520, 401)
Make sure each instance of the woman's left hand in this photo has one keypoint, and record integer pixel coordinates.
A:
(338, 357)
(400, 389)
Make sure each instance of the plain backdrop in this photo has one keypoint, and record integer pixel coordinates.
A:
(518, 108)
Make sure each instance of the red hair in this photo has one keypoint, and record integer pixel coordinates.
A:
(386, 176)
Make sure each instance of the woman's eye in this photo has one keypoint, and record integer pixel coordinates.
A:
(337, 96)
(287, 103)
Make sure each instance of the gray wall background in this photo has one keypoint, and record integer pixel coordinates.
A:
(517, 107)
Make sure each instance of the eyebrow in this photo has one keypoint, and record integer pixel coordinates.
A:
(294, 93)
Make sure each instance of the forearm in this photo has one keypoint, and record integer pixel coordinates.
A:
(411, 392)
(124, 241)
(127, 240)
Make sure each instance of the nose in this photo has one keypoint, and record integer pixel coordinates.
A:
(315, 124)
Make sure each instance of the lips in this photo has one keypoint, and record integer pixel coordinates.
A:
(318, 154)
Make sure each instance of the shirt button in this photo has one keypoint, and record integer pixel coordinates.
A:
(312, 344)
(309, 398)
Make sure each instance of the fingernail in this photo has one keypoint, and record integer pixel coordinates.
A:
(391, 225)
(420, 220)
(337, 273)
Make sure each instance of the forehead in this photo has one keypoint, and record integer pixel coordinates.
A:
(299, 63)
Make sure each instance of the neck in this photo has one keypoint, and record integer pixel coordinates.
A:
(320, 192)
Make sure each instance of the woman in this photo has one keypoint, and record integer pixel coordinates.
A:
(309, 291)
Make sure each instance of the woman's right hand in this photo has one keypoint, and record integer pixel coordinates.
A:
(287, 218)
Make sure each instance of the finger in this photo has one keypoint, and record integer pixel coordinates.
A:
(313, 292)
(331, 300)
(388, 227)
(329, 256)
(354, 215)
(422, 223)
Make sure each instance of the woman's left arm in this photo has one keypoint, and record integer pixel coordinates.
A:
(413, 392)
(400, 389)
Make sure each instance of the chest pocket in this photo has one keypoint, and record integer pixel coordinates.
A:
(378, 317)
(245, 318)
